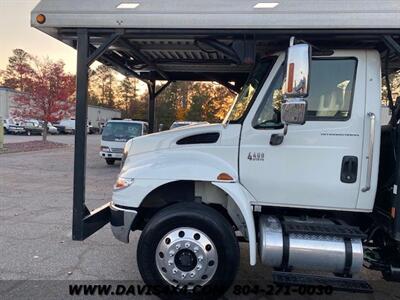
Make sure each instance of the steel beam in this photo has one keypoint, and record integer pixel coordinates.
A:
(103, 47)
(163, 88)
(139, 55)
(392, 44)
(79, 208)
(152, 106)
(151, 86)
(84, 223)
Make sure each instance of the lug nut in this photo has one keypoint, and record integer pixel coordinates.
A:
(171, 253)
(200, 258)
(199, 267)
(175, 270)
(178, 246)
(183, 275)
(192, 274)
(187, 245)
(170, 262)
(196, 249)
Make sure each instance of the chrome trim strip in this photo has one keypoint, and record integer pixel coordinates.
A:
(370, 156)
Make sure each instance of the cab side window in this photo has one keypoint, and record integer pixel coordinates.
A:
(331, 93)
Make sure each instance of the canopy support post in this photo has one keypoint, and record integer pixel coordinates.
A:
(84, 223)
(151, 86)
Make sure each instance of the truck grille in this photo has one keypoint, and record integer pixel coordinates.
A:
(117, 150)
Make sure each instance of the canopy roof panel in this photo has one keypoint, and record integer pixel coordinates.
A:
(222, 14)
(218, 40)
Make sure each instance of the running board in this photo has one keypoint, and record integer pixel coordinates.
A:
(337, 283)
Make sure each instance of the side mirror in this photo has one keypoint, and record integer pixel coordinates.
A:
(297, 71)
(295, 88)
(294, 111)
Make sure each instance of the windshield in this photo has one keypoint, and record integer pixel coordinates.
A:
(248, 91)
(121, 131)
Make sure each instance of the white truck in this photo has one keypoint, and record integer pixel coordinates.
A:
(300, 169)
(303, 194)
(115, 135)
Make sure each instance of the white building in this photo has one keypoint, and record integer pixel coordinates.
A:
(6, 101)
(97, 115)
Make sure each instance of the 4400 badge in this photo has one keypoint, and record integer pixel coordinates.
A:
(256, 156)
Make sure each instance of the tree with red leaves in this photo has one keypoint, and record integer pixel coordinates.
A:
(50, 96)
(19, 71)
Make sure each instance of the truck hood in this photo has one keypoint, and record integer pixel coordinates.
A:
(168, 139)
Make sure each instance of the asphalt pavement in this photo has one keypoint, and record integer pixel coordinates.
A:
(35, 229)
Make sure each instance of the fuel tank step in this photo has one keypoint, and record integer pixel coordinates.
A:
(337, 283)
(339, 230)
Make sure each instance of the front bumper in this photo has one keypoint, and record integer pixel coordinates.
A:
(111, 155)
(121, 222)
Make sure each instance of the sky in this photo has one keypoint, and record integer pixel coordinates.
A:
(16, 32)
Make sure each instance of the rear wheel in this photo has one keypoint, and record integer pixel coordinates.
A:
(110, 161)
(191, 247)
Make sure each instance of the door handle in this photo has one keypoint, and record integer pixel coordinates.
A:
(349, 169)
(370, 156)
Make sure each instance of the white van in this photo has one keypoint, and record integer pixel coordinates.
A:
(115, 135)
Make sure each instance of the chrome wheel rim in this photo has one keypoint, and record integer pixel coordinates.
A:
(186, 257)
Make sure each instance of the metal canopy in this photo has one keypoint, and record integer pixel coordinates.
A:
(215, 55)
(189, 55)
(197, 43)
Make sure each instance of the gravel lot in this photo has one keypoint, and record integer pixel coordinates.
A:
(35, 226)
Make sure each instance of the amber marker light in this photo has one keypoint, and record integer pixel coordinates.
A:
(41, 19)
(225, 177)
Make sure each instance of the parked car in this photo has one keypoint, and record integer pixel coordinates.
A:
(116, 134)
(178, 124)
(32, 127)
(11, 127)
(51, 129)
(68, 126)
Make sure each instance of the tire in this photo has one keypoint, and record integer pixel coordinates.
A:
(216, 236)
(28, 133)
(110, 161)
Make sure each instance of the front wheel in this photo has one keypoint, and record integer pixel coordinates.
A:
(189, 246)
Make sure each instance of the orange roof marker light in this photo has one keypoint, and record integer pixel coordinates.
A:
(41, 19)
(225, 177)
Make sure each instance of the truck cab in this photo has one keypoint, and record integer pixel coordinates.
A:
(115, 135)
(295, 175)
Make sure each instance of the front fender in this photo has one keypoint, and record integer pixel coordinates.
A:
(177, 165)
(243, 199)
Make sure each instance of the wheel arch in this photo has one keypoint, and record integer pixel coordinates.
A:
(226, 198)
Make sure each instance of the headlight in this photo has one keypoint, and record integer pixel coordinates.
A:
(105, 149)
(122, 183)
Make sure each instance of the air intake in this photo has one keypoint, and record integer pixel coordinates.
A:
(204, 138)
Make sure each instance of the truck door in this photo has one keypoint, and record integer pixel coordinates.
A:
(318, 164)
